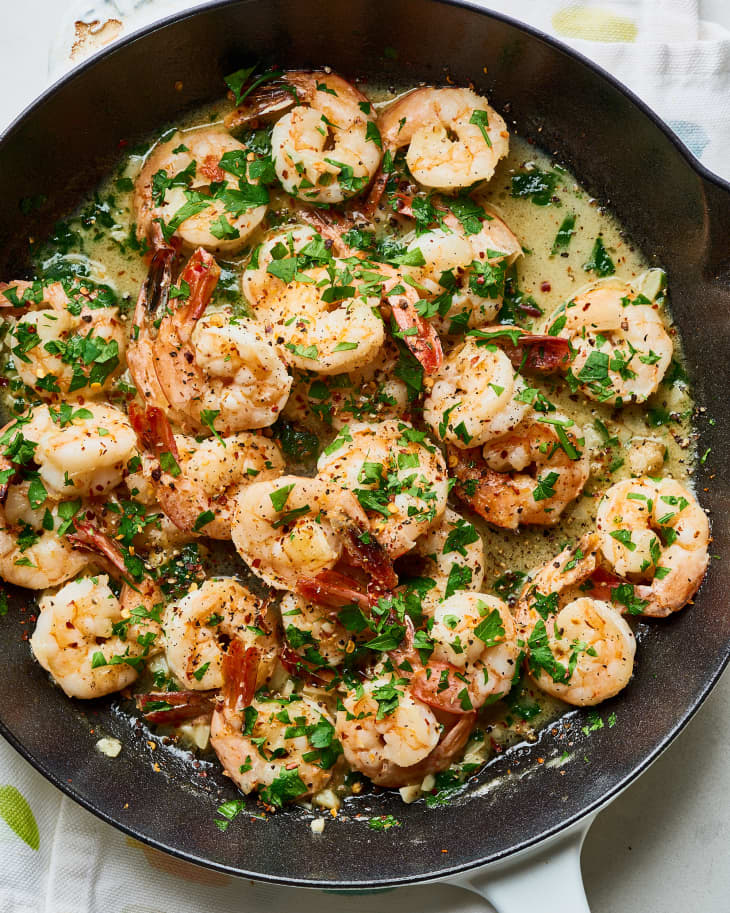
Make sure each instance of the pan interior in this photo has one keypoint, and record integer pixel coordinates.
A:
(669, 209)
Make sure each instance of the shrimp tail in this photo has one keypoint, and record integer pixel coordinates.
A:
(263, 102)
(425, 343)
(439, 685)
(302, 668)
(90, 537)
(201, 273)
(153, 430)
(377, 189)
(334, 590)
(540, 354)
(180, 706)
(240, 670)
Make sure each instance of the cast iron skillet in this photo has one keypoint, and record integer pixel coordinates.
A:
(679, 215)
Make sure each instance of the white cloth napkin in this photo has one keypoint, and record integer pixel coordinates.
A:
(57, 858)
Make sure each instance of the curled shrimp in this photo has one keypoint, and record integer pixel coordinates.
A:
(466, 272)
(89, 642)
(583, 654)
(449, 557)
(65, 348)
(326, 149)
(196, 185)
(261, 742)
(655, 535)
(200, 625)
(620, 343)
(198, 365)
(289, 528)
(475, 641)
(371, 393)
(193, 481)
(82, 452)
(399, 480)
(454, 138)
(392, 737)
(476, 396)
(528, 476)
(313, 632)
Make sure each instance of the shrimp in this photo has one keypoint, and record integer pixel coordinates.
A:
(313, 632)
(583, 654)
(31, 554)
(65, 348)
(81, 452)
(289, 528)
(399, 480)
(193, 481)
(190, 186)
(371, 393)
(449, 557)
(454, 138)
(654, 534)
(527, 477)
(620, 343)
(267, 743)
(215, 366)
(394, 738)
(198, 626)
(476, 396)
(327, 148)
(88, 643)
(465, 272)
(475, 641)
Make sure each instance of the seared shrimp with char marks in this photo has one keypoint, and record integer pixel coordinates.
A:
(398, 478)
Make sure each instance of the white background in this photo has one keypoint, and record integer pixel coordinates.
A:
(662, 847)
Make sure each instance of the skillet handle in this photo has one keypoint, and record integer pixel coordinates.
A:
(549, 881)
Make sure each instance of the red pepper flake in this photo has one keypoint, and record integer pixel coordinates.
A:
(545, 287)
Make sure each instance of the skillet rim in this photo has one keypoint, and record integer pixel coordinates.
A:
(449, 872)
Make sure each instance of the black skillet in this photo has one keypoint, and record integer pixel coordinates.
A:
(677, 213)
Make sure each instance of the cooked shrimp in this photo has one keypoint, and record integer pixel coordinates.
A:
(528, 476)
(475, 636)
(584, 654)
(620, 343)
(450, 556)
(31, 554)
(193, 481)
(79, 452)
(288, 528)
(62, 348)
(454, 137)
(371, 393)
(466, 272)
(85, 640)
(190, 185)
(206, 366)
(265, 742)
(398, 478)
(313, 631)
(327, 148)
(476, 396)
(198, 626)
(656, 535)
(394, 738)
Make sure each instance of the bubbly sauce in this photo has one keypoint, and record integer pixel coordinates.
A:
(100, 240)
